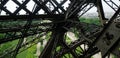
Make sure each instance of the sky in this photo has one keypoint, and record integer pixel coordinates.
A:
(12, 6)
(105, 6)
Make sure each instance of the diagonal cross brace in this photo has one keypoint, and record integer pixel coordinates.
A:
(59, 5)
(21, 6)
(4, 8)
(45, 8)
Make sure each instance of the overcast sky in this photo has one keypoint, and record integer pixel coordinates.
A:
(106, 7)
(12, 6)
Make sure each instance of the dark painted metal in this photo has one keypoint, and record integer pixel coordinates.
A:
(61, 22)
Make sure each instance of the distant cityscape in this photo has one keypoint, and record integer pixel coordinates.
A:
(95, 15)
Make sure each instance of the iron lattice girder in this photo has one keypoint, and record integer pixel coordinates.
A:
(37, 7)
(42, 5)
(107, 33)
(75, 7)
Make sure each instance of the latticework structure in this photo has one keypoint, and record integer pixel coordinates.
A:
(53, 19)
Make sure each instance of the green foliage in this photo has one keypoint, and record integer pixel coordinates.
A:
(90, 20)
(29, 53)
(67, 56)
(68, 41)
(8, 45)
(2, 35)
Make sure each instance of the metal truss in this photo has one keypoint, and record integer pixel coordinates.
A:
(54, 18)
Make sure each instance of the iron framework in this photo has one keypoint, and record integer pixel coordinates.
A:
(53, 16)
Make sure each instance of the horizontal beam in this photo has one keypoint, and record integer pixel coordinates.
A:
(18, 29)
(4, 40)
(26, 17)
